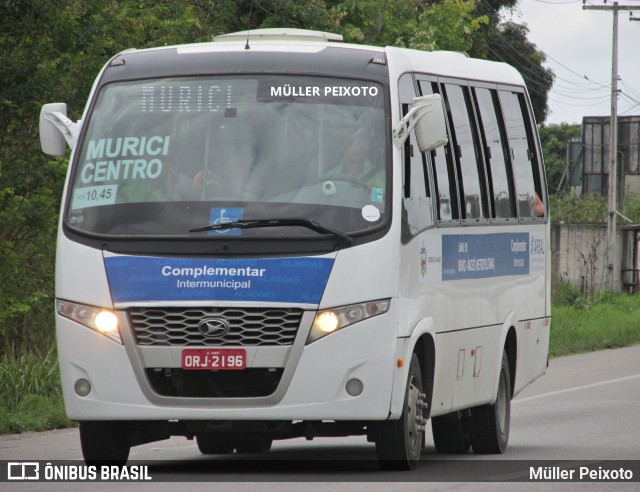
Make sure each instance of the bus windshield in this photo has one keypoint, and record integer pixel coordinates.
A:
(168, 156)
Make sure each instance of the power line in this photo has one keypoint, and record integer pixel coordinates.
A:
(534, 78)
(630, 89)
(578, 91)
(517, 55)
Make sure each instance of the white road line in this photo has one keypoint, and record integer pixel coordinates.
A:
(576, 388)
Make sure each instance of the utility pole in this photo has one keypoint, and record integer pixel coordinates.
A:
(612, 239)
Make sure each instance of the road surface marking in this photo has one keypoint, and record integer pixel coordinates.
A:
(576, 388)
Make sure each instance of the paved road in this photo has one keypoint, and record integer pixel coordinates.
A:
(584, 410)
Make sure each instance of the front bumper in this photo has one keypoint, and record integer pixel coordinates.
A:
(311, 387)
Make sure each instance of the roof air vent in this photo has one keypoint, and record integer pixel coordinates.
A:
(279, 34)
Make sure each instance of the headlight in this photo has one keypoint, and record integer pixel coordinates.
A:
(331, 320)
(101, 320)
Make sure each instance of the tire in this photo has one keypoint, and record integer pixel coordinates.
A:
(105, 443)
(399, 442)
(253, 446)
(489, 424)
(450, 435)
(213, 444)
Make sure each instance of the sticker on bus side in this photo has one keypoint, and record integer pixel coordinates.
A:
(472, 256)
(291, 280)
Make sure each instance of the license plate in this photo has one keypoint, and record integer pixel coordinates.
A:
(216, 359)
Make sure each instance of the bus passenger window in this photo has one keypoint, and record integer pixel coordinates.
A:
(495, 145)
(417, 209)
(443, 171)
(523, 155)
(464, 142)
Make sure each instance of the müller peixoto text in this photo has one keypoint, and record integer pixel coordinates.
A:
(584, 473)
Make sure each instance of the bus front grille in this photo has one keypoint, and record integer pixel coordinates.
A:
(177, 326)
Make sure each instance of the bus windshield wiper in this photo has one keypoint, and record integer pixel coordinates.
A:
(314, 225)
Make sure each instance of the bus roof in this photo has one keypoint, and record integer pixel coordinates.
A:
(283, 40)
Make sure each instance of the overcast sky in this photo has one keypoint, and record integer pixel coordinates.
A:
(578, 44)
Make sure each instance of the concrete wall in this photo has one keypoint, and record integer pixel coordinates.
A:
(579, 256)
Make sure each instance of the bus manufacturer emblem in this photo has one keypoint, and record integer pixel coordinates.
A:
(213, 327)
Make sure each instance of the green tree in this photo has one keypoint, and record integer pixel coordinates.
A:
(442, 25)
(52, 51)
(301, 14)
(454, 23)
(554, 140)
(492, 10)
(507, 42)
(377, 22)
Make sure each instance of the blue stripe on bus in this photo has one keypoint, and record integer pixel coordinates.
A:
(293, 280)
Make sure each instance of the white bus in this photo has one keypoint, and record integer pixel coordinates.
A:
(279, 235)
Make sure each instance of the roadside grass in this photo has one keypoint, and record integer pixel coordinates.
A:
(582, 324)
(31, 396)
(30, 392)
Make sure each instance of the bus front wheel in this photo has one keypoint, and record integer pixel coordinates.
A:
(105, 442)
(399, 442)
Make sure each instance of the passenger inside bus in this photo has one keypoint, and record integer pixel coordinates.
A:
(538, 207)
(357, 162)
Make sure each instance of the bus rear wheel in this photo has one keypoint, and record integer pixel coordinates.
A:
(105, 443)
(450, 434)
(399, 442)
(489, 424)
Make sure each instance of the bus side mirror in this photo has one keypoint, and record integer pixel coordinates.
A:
(427, 116)
(56, 128)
